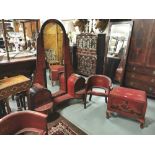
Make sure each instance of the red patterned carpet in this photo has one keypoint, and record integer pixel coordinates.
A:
(61, 126)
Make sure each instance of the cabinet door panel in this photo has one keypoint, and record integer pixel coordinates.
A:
(140, 70)
(151, 53)
(139, 41)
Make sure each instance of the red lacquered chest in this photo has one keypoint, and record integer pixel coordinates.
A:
(128, 102)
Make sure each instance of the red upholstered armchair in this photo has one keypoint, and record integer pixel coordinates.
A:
(24, 122)
(97, 81)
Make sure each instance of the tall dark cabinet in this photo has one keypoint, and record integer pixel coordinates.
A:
(140, 68)
(90, 53)
(73, 50)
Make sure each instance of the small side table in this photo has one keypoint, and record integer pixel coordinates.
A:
(12, 86)
(128, 102)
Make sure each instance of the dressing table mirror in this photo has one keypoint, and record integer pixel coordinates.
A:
(117, 50)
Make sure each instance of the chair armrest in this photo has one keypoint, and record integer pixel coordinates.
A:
(13, 122)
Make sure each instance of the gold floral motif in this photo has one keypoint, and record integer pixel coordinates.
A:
(124, 107)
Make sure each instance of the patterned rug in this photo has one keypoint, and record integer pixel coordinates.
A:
(61, 126)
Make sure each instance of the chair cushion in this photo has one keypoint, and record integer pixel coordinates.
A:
(45, 107)
(98, 93)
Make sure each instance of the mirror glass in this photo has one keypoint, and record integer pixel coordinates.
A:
(119, 38)
(54, 54)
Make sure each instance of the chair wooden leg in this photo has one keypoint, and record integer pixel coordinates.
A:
(18, 103)
(7, 105)
(23, 101)
(29, 105)
(13, 97)
(2, 108)
(106, 99)
(90, 97)
(84, 105)
(85, 100)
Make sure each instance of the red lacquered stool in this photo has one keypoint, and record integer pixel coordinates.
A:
(128, 102)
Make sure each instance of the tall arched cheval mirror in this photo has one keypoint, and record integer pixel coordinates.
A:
(53, 53)
(117, 49)
(53, 38)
